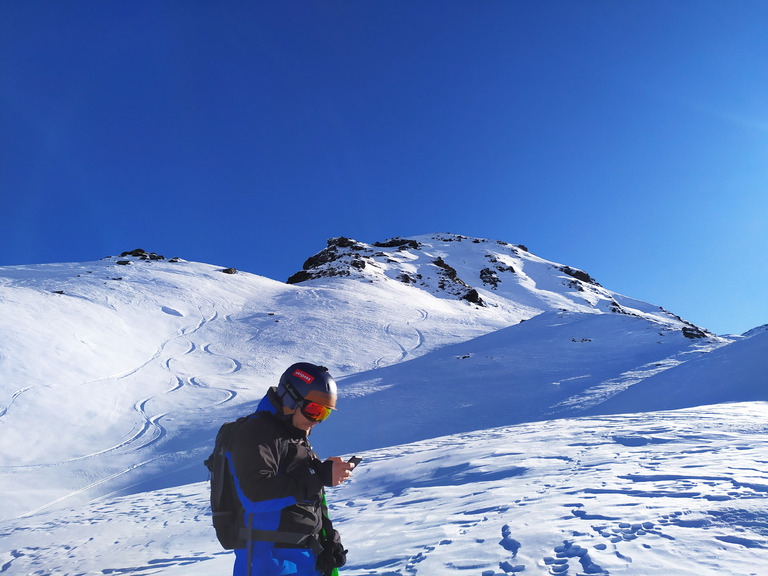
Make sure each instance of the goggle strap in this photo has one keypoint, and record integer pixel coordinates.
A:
(293, 393)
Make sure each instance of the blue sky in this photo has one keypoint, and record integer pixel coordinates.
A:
(628, 139)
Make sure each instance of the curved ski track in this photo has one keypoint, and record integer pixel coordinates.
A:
(404, 351)
(150, 429)
(19, 392)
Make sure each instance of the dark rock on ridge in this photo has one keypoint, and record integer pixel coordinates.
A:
(579, 275)
(398, 243)
(473, 297)
(143, 254)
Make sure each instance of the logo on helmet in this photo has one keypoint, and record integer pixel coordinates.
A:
(303, 376)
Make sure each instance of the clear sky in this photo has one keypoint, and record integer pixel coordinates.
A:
(628, 139)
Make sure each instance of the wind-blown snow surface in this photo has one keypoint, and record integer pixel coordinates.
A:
(115, 377)
(680, 493)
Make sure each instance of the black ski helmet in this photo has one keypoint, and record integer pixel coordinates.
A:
(305, 381)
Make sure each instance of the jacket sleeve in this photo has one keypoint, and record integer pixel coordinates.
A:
(256, 458)
(326, 472)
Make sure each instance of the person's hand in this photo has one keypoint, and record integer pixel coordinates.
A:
(341, 470)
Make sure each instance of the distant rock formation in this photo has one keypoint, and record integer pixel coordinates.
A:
(477, 270)
(143, 255)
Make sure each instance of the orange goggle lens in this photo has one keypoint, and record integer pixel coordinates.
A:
(314, 411)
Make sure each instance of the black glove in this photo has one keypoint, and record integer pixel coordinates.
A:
(333, 555)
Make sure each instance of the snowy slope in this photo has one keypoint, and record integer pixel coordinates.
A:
(135, 365)
(680, 493)
(554, 365)
(741, 369)
(115, 375)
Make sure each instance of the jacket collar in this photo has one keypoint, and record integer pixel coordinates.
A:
(271, 404)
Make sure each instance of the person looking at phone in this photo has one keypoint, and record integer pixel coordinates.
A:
(281, 482)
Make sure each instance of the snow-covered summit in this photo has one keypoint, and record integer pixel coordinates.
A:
(479, 271)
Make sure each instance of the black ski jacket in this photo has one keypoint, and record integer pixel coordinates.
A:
(278, 476)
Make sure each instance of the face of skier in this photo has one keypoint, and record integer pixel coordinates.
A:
(302, 422)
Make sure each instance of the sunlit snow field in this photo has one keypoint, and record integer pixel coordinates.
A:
(681, 492)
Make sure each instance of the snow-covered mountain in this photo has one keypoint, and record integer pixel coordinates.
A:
(115, 375)
(487, 273)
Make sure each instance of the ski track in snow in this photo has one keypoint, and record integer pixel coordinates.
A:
(150, 430)
(405, 350)
(236, 365)
(151, 426)
(14, 396)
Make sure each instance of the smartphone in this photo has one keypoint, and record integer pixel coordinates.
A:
(355, 460)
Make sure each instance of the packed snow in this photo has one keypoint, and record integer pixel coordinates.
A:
(542, 423)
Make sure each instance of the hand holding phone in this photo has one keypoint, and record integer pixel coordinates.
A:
(355, 460)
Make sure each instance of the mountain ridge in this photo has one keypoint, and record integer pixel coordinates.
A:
(481, 276)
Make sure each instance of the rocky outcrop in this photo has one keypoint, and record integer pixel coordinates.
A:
(143, 255)
(346, 257)
(693, 332)
(579, 275)
(338, 258)
(403, 243)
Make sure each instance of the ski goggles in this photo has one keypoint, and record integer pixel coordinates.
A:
(314, 411)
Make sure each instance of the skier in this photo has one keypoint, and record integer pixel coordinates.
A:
(280, 480)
